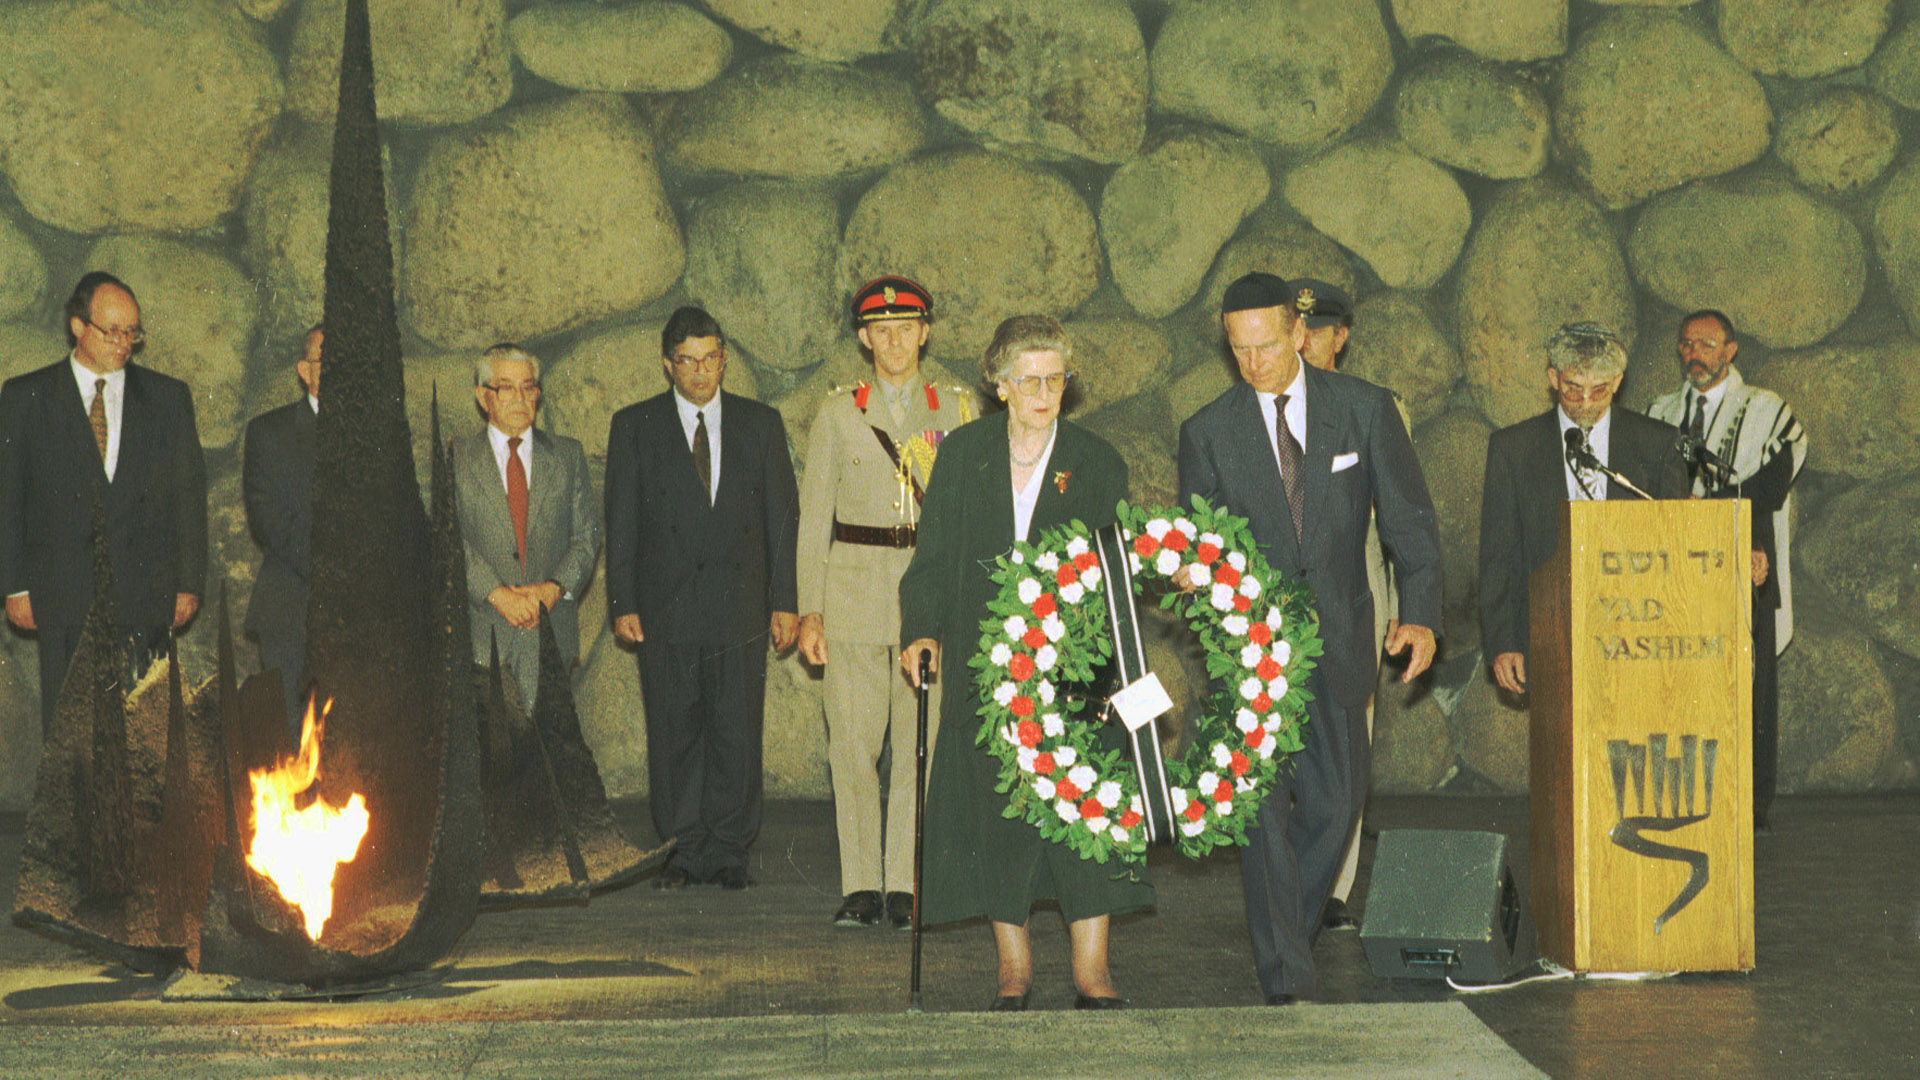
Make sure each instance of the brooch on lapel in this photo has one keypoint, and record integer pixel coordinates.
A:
(1060, 479)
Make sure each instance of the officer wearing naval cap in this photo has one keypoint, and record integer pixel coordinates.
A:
(869, 454)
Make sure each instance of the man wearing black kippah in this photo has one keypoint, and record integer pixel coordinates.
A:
(1306, 456)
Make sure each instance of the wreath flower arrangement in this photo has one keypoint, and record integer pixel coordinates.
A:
(1049, 629)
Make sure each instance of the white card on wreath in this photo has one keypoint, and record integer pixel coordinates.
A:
(1141, 701)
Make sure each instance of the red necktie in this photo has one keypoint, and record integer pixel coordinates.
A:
(517, 497)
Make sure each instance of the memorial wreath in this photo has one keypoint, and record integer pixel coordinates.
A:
(1051, 627)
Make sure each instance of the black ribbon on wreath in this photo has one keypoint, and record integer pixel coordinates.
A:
(1140, 700)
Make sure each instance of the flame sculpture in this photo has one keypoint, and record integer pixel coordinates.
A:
(298, 849)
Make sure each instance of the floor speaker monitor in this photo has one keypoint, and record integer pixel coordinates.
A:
(1445, 903)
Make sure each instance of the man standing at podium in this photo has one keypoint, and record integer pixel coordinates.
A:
(1531, 471)
(1755, 433)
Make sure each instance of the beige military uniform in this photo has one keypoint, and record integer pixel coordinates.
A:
(852, 479)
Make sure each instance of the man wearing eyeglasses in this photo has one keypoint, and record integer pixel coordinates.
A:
(1528, 476)
(701, 519)
(276, 480)
(869, 453)
(528, 518)
(93, 426)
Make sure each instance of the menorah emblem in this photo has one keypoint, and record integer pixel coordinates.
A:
(1673, 782)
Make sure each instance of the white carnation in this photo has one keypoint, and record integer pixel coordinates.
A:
(1277, 689)
(1166, 562)
(1235, 625)
(1244, 783)
(1186, 526)
(1098, 824)
(1266, 749)
(1047, 563)
(1283, 651)
(1245, 720)
(1001, 654)
(1250, 587)
(1029, 590)
(1120, 835)
(1109, 793)
(1194, 828)
(1213, 538)
(1010, 732)
(1249, 689)
(1004, 694)
(1046, 692)
(1054, 627)
(1273, 619)
(1083, 777)
(1158, 527)
(1052, 726)
(1066, 756)
(1046, 658)
(1237, 560)
(1180, 800)
(1025, 756)
(1066, 810)
(1017, 558)
(1015, 626)
(1133, 560)
(1043, 787)
(1091, 577)
(1208, 781)
(1199, 574)
(1072, 593)
(1221, 597)
(1221, 755)
(1249, 656)
(1077, 547)
(1224, 809)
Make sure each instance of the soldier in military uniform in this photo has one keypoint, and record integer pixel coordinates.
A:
(869, 454)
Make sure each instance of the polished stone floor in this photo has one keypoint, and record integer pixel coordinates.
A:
(1836, 992)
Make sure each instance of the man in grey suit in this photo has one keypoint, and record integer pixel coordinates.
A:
(276, 480)
(529, 520)
(1306, 456)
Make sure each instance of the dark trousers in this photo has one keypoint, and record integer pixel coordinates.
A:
(1766, 710)
(57, 645)
(286, 652)
(1298, 843)
(704, 713)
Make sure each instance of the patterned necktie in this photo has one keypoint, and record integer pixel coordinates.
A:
(1290, 455)
(1698, 424)
(703, 456)
(97, 416)
(517, 497)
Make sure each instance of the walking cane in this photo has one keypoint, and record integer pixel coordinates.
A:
(919, 826)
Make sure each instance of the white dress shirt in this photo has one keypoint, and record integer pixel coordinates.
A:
(689, 421)
(116, 405)
(1598, 438)
(1024, 498)
(499, 440)
(1296, 411)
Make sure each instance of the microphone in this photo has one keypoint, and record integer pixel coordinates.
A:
(1694, 450)
(1580, 455)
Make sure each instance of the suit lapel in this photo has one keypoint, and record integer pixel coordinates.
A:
(495, 520)
(1248, 436)
(544, 496)
(733, 454)
(1050, 505)
(1546, 464)
(993, 479)
(136, 430)
(69, 417)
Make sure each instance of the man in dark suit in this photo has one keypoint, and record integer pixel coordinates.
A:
(1529, 476)
(93, 425)
(528, 518)
(276, 480)
(1306, 456)
(702, 518)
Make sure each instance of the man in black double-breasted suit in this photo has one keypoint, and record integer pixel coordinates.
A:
(702, 518)
(94, 425)
(1291, 435)
(276, 479)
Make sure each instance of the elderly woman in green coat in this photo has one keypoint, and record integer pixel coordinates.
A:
(1006, 477)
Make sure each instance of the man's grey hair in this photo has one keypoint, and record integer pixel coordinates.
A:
(1586, 348)
(483, 367)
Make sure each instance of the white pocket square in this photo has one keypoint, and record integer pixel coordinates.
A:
(1345, 461)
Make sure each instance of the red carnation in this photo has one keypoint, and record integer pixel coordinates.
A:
(1086, 560)
(1029, 733)
(1129, 819)
(1257, 736)
(1260, 633)
(1021, 706)
(1145, 546)
(1176, 540)
(1238, 763)
(1195, 811)
(1207, 553)
(1092, 809)
(1066, 575)
(1034, 637)
(1227, 575)
(1045, 606)
(1067, 789)
(1268, 669)
(1043, 764)
(1020, 667)
(1241, 604)
(1223, 793)
(1261, 703)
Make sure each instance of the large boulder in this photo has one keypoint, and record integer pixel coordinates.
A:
(286, 227)
(1117, 359)
(1400, 212)
(924, 219)
(1452, 449)
(434, 61)
(117, 115)
(1504, 30)
(1165, 214)
(1865, 550)
(23, 273)
(1057, 76)
(610, 370)
(19, 719)
(1856, 403)
(1291, 249)
(1490, 734)
(1759, 250)
(1412, 747)
(541, 219)
(1649, 102)
(1895, 69)
(1839, 141)
(1804, 40)
(264, 10)
(1838, 729)
(1140, 429)
(1396, 343)
(1474, 115)
(25, 346)
(1201, 383)
(1896, 238)
(822, 29)
(1543, 256)
(651, 47)
(199, 311)
(1298, 73)
(781, 116)
(762, 257)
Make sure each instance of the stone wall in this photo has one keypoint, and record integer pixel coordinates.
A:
(1474, 171)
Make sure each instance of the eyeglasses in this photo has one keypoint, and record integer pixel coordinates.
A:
(1032, 384)
(1699, 344)
(1597, 392)
(131, 335)
(525, 390)
(712, 360)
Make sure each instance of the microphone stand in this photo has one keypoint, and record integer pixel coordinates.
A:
(1580, 455)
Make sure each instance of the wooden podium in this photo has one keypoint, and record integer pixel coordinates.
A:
(1640, 680)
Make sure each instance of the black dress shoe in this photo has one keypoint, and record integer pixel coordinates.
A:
(859, 909)
(1335, 916)
(900, 909)
(730, 877)
(1281, 999)
(1010, 1002)
(1088, 1001)
(673, 877)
